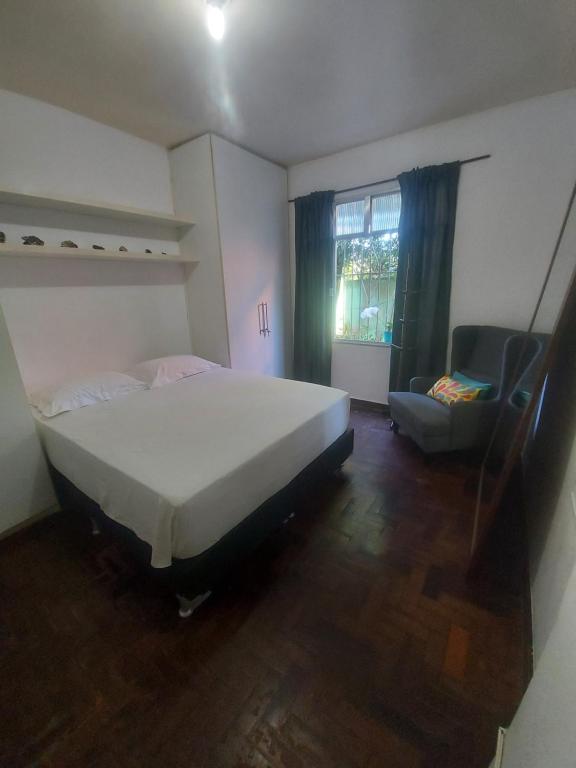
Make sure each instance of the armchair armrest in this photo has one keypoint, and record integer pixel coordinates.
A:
(472, 422)
(421, 384)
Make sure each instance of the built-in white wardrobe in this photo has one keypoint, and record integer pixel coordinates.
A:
(238, 202)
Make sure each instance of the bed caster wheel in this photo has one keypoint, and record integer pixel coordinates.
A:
(187, 607)
(394, 426)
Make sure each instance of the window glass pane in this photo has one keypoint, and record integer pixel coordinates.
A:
(350, 218)
(366, 283)
(385, 211)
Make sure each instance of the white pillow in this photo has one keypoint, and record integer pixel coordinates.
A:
(88, 390)
(165, 370)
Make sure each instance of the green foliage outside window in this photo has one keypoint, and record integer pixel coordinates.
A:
(366, 283)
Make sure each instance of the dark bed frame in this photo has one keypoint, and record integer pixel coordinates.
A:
(193, 579)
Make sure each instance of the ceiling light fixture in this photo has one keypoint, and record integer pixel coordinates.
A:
(215, 20)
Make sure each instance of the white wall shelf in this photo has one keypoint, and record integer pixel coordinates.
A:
(52, 252)
(102, 210)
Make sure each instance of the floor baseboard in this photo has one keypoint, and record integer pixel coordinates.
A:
(368, 405)
(15, 529)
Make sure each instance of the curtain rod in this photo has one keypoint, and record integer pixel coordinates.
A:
(395, 178)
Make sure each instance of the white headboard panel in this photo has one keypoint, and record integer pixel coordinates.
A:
(70, 318)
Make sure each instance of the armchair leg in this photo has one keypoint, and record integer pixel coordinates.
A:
(394, 426)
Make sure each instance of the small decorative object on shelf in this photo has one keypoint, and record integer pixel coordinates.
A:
(68, 244)
(148, 250)
(2, 237)
(123, 249)
(32, 240)
(98, 247)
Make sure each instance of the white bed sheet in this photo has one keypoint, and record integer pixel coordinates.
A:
(183, 464)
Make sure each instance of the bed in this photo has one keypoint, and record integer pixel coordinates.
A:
(196, 473)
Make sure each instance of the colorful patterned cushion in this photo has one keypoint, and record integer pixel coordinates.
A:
(449, 391)
(484, 386)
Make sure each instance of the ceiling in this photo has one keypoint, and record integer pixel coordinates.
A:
(292, 79)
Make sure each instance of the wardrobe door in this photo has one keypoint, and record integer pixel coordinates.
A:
(195, 197)
(251, 196)
(25, 487)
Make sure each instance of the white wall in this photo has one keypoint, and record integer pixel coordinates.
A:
(361, 370)
(75, 318)
(45, 149)
(509, 207)
(25, 488)
(66, 318)
(251, 198)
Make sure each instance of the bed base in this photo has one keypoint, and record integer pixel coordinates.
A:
(194, 579)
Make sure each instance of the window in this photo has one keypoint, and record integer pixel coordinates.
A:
(366, 265)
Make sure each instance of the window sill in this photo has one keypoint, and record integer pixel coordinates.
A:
(362, 343)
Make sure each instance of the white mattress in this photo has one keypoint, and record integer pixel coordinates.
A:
(183, 464)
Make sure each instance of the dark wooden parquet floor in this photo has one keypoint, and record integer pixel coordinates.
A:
(350, 640)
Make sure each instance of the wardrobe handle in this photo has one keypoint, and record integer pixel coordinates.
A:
(263, 328)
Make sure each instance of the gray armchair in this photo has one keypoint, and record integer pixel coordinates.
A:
(486, 353)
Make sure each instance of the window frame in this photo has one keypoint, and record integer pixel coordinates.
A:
(367, 232)
(368, 200)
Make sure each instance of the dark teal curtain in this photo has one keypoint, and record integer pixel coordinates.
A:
(315, 278)
(424, 279)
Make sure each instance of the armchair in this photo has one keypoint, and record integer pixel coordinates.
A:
(485, 353)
